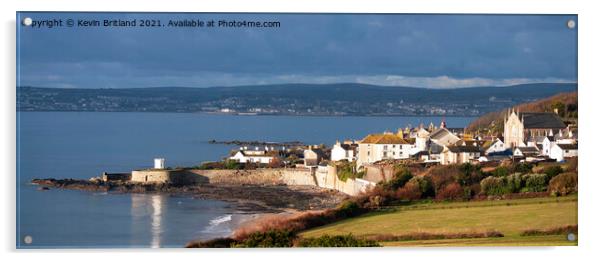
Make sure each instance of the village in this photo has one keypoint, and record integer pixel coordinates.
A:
(355, 166)
(527, 137)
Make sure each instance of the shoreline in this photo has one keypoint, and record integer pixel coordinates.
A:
(246, 198)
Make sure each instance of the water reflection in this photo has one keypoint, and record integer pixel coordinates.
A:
(156, 221)
(146, 213)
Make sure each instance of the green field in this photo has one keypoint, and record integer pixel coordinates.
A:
(509, 217)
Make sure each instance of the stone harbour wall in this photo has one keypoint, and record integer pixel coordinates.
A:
(321, 177)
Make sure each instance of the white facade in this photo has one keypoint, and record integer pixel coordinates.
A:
(546, 146)
(342, 152)
(377, 147)
(496, 146)
(560, 152)
(159, 163)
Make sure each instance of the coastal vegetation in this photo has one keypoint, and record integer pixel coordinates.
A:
(347, 170)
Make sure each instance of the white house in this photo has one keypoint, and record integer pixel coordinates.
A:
(346, 151)
(547, 144)
(458, 154)
(422, 139)
(493, 147)
(560, 152)
(254, 156)
(377, 147)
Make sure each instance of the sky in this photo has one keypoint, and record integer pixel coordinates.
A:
(432, 51)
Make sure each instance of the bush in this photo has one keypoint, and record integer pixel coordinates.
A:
(535, 182)
(552, 171)
(411, 191)
(494, 186)
(347, 209)
(563, 184)
(500, 171)
(270, 238)
(443, 175)
(425, 185)
(213, 243)
(452, 191)
(523, 168)
(346, 170)
(400, 178)
(564, 230)
(514, 182)
(232, 164)
(336, 241)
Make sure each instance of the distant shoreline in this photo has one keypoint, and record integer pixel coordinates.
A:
(263, 115)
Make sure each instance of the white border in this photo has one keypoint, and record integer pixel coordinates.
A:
(589, 84)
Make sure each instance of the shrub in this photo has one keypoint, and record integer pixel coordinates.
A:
(551, 231)
(346, 170)
(213, 243)
(275, 163)
(443, 175)
(535, 182)
(425, 184)
(500, 171)
(523, 168)
(336, 241)
(400, 178)
(411, 191)
(563, 184)
(571, 165)
(232, 164)
(347, 209)
(270, 238)
(494, 186)
(431, 236)
(452, 191)
(514, 182)
(552, 171)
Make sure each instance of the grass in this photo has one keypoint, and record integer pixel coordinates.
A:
(510, 217)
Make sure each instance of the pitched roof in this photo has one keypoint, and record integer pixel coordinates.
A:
(541, 120)
(440, 133)
(459, 149)
(567, 146)
(385, 138)
(528, 150)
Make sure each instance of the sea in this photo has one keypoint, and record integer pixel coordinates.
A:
(81, 145)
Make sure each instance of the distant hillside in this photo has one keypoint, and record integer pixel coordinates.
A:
(493, 122)
(290, 99)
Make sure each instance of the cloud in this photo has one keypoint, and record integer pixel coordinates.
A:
(435, 51)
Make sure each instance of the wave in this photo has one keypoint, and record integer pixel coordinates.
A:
(221, 219)
(217, 226)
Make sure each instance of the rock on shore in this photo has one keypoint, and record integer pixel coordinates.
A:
(248, 198)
